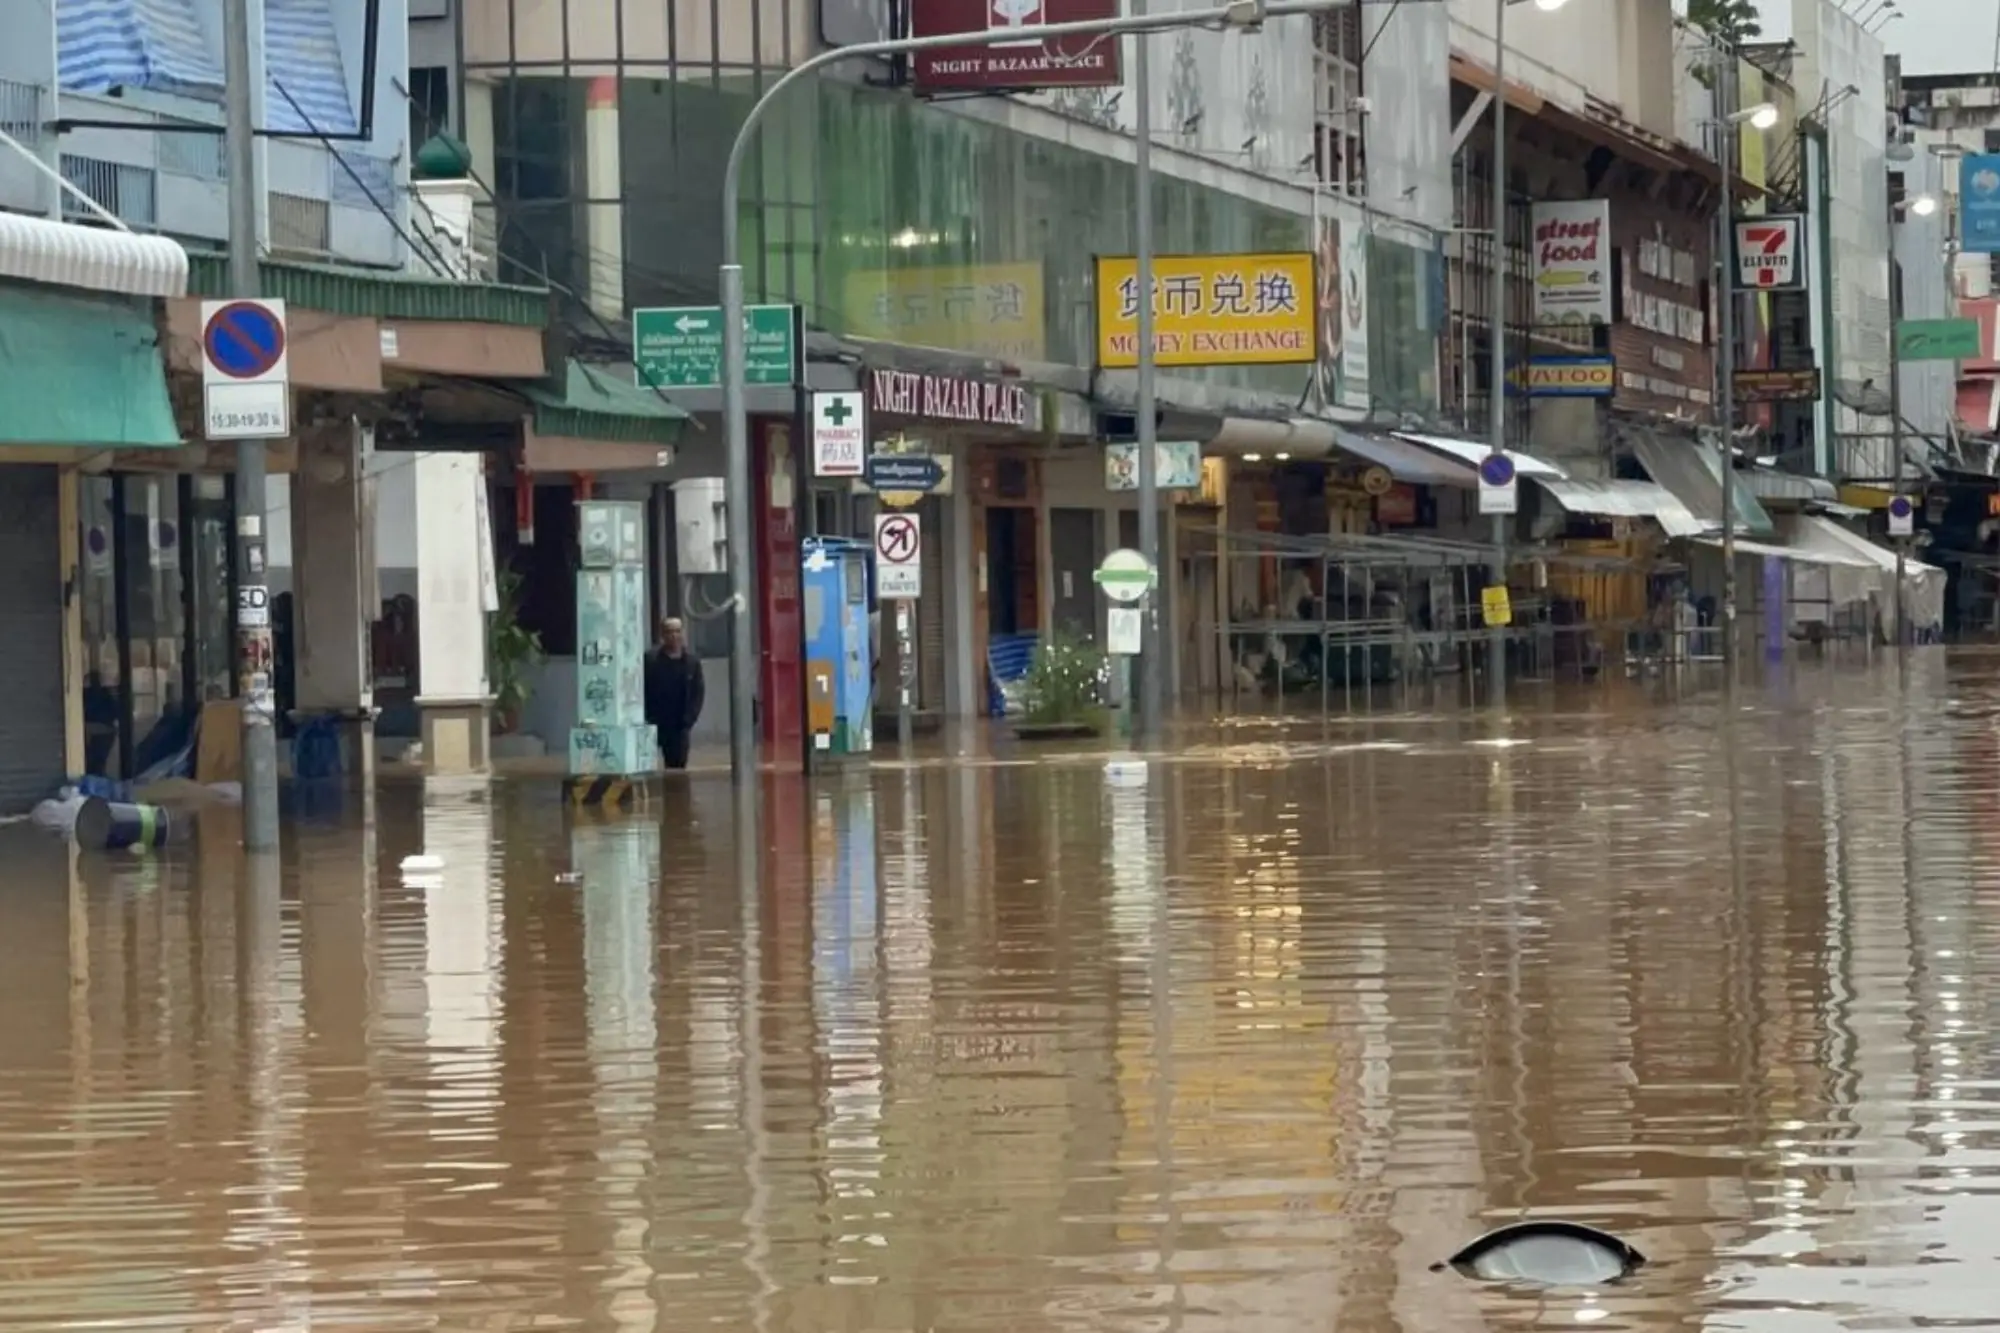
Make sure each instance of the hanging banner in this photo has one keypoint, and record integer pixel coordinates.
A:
(1979, 203)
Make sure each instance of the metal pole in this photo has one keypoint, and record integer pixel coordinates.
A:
(1497, 329)
(1152, 669)
(1725, 353)
(1896, 410)
(906, 677)
(742, 673)
(742, 665)
(254, 665)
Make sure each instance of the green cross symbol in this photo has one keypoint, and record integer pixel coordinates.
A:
(838, 412)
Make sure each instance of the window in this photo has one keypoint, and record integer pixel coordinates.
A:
(1337, 143)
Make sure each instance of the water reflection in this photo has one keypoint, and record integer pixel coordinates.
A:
(1246, 1040)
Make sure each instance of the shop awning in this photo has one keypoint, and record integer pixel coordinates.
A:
(601, 401)
(1788, 487)
(1811, 556)
(1404, 461)
(63, 254)
(1470, 452)
(1625, 499)
(1692, 471)
(81, 370)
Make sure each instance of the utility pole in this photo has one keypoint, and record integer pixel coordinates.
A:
(1725, 341)
(254, 662)
(1497, 334)
(1152, 668)
(1896, 413)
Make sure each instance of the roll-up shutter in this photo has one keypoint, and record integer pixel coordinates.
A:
(31, 628)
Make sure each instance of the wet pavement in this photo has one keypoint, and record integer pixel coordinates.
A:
(1020, 1045)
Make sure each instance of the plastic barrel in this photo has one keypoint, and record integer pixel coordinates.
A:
(110, 826)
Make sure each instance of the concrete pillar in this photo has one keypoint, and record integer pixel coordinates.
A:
(453, 570)
(965, 694)
(606, 223)
(333, 588)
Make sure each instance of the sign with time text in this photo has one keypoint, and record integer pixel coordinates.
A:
(1211, 310)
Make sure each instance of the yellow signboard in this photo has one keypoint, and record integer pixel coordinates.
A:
(1211, 310)
(1497, 608)
(991, 310)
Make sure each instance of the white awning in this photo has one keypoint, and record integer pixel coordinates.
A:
(1471, 451)
(1626, 499)
(98, 259)
(1818, 556)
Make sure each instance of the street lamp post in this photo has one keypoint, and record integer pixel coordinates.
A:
(1761, 116)
(1496, 349)
(1238, 14)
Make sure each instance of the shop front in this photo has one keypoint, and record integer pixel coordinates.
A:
(981, 539)
(81, 375)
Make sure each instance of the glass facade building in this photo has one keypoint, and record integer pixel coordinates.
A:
(881, 215)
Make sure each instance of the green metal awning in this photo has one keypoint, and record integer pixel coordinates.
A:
(601, 402)
(82, 370)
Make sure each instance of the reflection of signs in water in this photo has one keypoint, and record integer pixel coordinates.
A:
(598, 695)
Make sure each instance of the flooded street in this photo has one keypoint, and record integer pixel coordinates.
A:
(1245, 1045)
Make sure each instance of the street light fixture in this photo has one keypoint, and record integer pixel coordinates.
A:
(1760, 116)
(1923, 205)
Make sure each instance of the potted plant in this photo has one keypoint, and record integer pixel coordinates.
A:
(1063, 693)
(511, 650)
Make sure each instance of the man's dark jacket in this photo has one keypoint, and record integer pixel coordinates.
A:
(674, 690)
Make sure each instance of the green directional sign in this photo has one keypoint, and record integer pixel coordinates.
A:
(680, 347)
(1937, 340)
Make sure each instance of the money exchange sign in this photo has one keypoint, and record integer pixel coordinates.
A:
(1211, 310)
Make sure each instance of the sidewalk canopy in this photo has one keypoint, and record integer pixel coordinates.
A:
(97, 259)
(603, 402)
(1405, 461)
(1692, 471)
(1470, 452)
(1625, 499)
(81, 369)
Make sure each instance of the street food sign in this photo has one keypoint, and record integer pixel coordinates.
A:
(1211, 310)
(1086, 60)
(1572, 261)
(1769, 253)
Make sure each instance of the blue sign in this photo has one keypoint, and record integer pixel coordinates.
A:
(904, 472)
(1496, 470)
(1979, 203)
(244, 340)
(1900, 507)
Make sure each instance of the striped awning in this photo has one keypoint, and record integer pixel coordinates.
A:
(302, 54)
(157, 45)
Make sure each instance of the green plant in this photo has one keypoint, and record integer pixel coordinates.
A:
(511, 649)
(1065, 686)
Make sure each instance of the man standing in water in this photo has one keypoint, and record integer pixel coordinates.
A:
(674, 692)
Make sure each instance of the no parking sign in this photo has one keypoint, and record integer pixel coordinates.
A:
(1499, 489)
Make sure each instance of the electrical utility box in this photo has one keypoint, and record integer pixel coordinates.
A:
(611, 736)
(840, 648)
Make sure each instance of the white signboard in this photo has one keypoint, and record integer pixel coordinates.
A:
(1902, 517)
(1769, 251)
(245, 370)
(839, 435)
(1176, 466)
(1571, 262)
(899, 549)
(1125, 630)
(1354, 314)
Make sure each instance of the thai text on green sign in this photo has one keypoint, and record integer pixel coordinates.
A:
(1938, 340)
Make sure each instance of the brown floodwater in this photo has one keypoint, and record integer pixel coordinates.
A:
(1246, 1044)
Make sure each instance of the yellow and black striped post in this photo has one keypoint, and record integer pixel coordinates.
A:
(605, 791)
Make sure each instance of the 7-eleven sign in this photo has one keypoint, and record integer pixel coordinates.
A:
(1770, 253)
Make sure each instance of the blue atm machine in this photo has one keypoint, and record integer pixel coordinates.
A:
(840, 652)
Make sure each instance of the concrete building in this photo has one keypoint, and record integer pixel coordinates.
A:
(875, 211)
